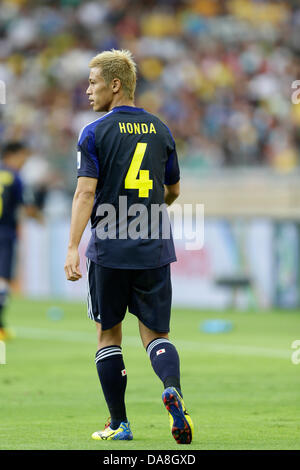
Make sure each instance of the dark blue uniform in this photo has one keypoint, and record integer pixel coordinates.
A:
(11, 197)
(132, 154)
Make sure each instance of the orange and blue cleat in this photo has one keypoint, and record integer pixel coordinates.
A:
(181, 424)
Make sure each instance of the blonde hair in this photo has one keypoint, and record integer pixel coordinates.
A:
(117, 64)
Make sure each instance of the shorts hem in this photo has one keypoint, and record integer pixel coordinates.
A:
(148, 325)
(165, 263)
(106, 327)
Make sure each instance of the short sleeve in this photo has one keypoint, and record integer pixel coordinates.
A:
(172, 172)
(87, 159)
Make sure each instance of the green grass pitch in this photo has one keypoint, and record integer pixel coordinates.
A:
(241, 387)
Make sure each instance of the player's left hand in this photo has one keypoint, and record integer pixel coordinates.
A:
(72, 263)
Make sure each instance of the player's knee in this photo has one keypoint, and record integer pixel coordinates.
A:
(112, 336)
(151, 336)
(148, 335)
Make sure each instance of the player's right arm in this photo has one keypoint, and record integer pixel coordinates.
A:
(83, 201)
(82, 207)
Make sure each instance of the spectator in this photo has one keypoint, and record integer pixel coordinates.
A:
(219, 72)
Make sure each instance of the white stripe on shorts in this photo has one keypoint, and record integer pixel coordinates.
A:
(89, 298)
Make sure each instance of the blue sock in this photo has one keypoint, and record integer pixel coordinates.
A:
(165, 362)
(113, 379)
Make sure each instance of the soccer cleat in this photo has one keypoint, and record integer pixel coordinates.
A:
(181, 424)
(123, 433)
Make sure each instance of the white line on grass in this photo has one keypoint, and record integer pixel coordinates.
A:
(218, 348)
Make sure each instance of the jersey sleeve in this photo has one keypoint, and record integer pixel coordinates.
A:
(87, 159)
(172, 172)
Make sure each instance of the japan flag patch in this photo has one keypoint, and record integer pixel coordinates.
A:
(160, 351)
(123, 372)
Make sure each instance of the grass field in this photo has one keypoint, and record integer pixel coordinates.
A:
(241, 387)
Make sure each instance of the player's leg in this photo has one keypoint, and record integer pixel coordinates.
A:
(152, 305)
(163, 356)
(165, 362)
(151, 302)
(108, 308)
(112, 336)
(112, 373)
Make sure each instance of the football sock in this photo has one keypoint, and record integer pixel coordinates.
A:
(113, 379)
(3, 298)
(165, 362)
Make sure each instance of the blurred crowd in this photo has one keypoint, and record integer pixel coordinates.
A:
(218, 72)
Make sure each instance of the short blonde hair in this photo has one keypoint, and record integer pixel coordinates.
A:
(117, 64)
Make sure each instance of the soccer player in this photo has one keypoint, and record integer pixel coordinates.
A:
(126, 157)
(12, 196)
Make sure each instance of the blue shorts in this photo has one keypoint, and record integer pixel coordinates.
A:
(6, 257)
(147, 293)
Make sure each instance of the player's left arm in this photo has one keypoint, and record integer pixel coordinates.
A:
(172, 176)
(172, 192)
(82, 207)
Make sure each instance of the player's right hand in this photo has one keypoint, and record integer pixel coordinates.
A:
(72, 263)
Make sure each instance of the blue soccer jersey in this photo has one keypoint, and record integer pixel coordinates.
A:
(11, 197)
(132, 154)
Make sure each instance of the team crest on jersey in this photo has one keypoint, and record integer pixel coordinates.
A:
(160, 351)
(78, 160)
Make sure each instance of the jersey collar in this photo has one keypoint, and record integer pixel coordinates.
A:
(128, 109)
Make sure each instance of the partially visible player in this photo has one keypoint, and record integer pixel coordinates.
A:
(128, 154)
(12, 195)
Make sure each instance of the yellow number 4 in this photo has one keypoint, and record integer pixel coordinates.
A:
(143, 183)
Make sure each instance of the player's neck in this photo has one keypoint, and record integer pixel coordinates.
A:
(121, 101)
